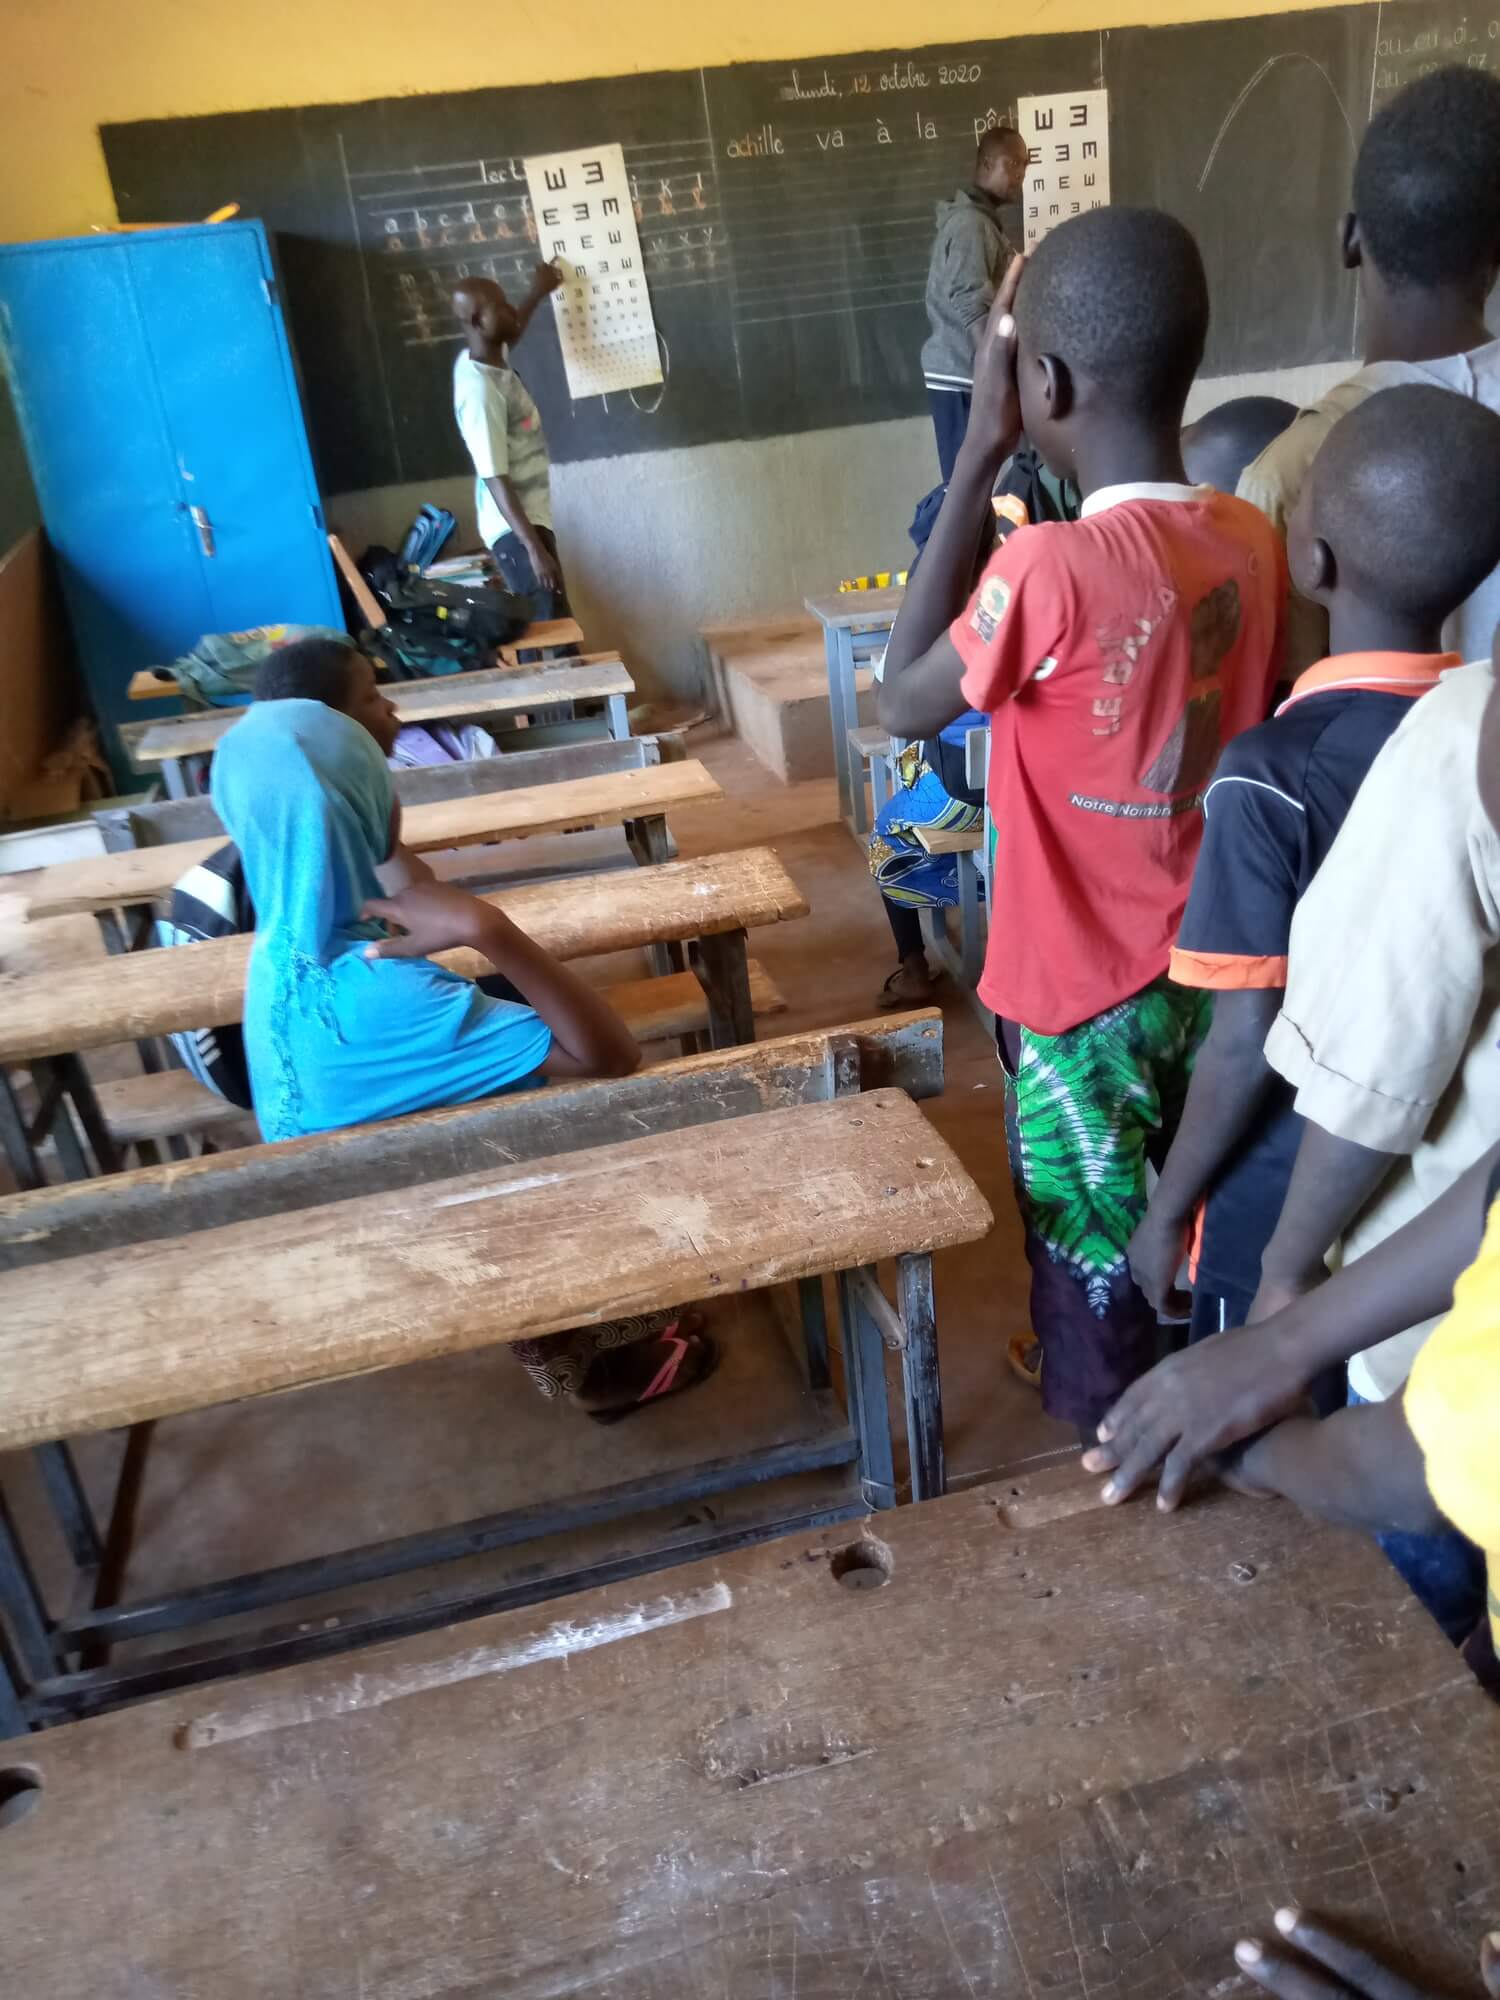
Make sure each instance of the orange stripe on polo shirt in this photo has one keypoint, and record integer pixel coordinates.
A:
(1227, 971)
(1372, 673)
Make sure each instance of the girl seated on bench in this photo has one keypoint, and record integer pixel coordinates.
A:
(346, 1017)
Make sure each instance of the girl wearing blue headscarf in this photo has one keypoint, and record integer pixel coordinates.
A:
(346, 1018)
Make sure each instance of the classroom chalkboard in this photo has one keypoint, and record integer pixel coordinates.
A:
(786, 212)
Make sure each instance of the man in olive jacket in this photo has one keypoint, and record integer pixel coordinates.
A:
(968, 262)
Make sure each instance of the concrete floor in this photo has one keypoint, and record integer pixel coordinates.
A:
(295, 1476)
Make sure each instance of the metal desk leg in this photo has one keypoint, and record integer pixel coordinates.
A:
(869, 1413)
(21, 1607)
(647, 841)
(15, 1137)
(919, 1369)
(814, 1331)
(970, 942)
(70, 1504)
(882, 782)
(720, 963)
(55, 1116)
(844, 701)
(174, 777)
(619, 720)
(80, 1090)
(12, 1715)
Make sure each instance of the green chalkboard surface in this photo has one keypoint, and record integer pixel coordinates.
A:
(785, 213)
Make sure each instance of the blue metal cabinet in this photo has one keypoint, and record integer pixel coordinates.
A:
(156, 394)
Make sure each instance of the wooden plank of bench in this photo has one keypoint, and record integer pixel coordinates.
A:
(167, 1105)
(370, 607)
(545, 634)
(506, 1254)
(203, 985)
(142, 874)
(144, 1204)
(571, 1790)
(488, 693)
(858, 610)
(869, 742)
(152, 684)
(172, 1103)
(950, 839)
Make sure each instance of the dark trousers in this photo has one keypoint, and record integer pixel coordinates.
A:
(1222, 1311)
(520, 578)
(950, 419)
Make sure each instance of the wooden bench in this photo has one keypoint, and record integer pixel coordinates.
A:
(177, 741)
(151, 822)
(872, 749)
(707, 905)
(1054, 1744)
(171, 1104)
(856, 627)
(747, 1170)
(640, 798)
(548, 638)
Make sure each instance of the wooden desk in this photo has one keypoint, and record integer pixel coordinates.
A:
(508, 1253)
(1059, 1753)
(589, 1225)
(202, 985)
(114, 881)
(856, 626)
(493, 693)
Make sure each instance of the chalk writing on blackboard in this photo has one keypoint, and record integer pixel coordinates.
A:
(425, 228)
(1413, 46)
(1248, 91)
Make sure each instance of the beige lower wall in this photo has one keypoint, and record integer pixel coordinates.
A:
(660, 544)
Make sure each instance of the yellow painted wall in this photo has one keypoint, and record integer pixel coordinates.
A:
(68, 66)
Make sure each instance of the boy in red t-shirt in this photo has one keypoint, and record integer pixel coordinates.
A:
(1116, 656)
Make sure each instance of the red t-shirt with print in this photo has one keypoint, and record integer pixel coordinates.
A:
(1116, 656)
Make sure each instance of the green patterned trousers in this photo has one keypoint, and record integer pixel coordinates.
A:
(1085, 1111)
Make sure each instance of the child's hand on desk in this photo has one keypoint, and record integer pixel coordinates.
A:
(1311, 1962)
(995, 413)
(1190, 1407)
(431, 917)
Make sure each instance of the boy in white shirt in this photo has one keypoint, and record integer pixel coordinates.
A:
(503, 431)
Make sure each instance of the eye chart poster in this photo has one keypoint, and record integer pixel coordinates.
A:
(586, 226)
(1069, 139)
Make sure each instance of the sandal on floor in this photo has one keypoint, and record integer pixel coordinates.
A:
(676, 1374)
(1023, 1354)
(890, 998)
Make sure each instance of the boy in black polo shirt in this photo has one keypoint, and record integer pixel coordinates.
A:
(1399, 521)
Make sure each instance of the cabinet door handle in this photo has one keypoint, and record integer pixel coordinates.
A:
(205, 529)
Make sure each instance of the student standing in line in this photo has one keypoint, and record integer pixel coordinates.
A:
(1224, 440)
(1389, 1033)
(1422, 1461)
(503, 431)
(969, 258)
(1116, 655)
(1282, 792)
(1424, 236)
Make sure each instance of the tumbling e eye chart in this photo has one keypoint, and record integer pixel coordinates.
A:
(1068, 135)
(586, 224)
